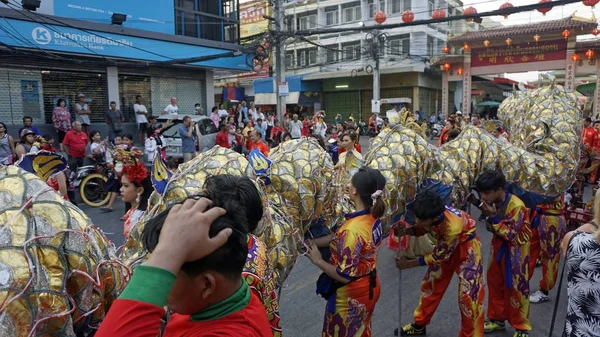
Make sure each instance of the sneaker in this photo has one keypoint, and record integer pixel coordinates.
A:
(538, 297)
(491, 326)
(411, 330)
(521, 333)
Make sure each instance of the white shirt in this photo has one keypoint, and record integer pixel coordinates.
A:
(172, 109)
(296, 129)
(321, 129)
(139, 118)
(223, 113)
(253, 114)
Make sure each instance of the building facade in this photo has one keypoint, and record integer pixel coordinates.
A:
(170, 49)
(343, 61)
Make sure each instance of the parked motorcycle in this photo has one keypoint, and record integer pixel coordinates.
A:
(90, 181)
(436, 130)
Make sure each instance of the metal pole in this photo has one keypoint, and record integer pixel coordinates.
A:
(376, 84)
(280, 58)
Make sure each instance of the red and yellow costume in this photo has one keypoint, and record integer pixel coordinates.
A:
(458, 250)
(354, 253)
(258, 273)
(549, 228)
(508, 268)
(590, 143)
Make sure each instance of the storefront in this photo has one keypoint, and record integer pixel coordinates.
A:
(45, 62)
(303, 95)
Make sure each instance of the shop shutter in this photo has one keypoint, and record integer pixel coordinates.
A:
(188, 93)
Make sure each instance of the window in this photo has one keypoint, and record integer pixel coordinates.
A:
(331, 54)
(398, 6)
(211, 20)
(207, 126)
(289, 60)
(287, 23)
(400, 45)
(308, 22)
(351, 12)
(430, 44)
(351, 51)
(312, 57)
(431, 6)
(375, 6)
(331, 18)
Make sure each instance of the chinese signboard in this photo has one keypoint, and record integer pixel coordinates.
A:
(519, 53)
(466, 108)
(570, 77)
(252, 21)
(445, 94)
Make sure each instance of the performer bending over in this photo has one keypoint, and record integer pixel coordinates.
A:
(508, 268)
(458, 250)
(549, 228)
(349, 281)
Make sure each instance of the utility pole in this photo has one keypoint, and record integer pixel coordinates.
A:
(376, 83)
(280, 57)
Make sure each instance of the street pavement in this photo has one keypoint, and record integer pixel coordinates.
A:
(302, 309)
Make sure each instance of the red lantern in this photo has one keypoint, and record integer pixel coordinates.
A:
(508, 41)
(445, 50)
(459, 71)
(590, 3)
(545, 9)
(468, 11)
(536, 38)
(446, 66)
(380, 17)
(408, 16)
(590, 54)
(486, 43)
(507, 5)
(465, 46)
(595, 31)
(575, 57)
(438, 14)
(566, 33)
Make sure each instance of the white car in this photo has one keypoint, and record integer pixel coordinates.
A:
(206, 134)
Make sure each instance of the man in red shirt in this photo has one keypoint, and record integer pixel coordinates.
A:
(74, 144)
(222, 138)
(257, 143)
(195, 268)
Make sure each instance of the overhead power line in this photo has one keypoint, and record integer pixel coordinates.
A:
(498, 12)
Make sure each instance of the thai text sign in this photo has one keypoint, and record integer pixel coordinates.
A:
(252, 21)
(519, 53)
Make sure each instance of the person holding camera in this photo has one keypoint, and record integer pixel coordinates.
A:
(188, 139)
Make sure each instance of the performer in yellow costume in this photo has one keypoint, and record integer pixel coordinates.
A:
(549, 228)
(349, 281)
(458, 250)
(508, 268)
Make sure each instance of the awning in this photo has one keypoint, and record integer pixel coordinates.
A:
(271, 99)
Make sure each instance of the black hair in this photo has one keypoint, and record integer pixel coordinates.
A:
(138, 96)
(48, 137)
(172, 164)
(27, 117)
(367, 181)
(490, 180)
(128, 136)
(259, 120)
(113, 102)
(92, 133)
(428, 205)
(148, 189)
(452, 134)
(223, 127)
(226, 188)
(60, 100)
(352, 135)
(588, 119)
(229, 259)
(4, 126)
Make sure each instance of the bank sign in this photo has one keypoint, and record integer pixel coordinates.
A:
(33, 35)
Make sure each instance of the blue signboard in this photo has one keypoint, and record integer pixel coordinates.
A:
(27, 34)
(30, 91)
(157, 15)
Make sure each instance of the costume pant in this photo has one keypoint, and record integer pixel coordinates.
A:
(508, 283)
(466, 262)
(593, 157)
(545, 243)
